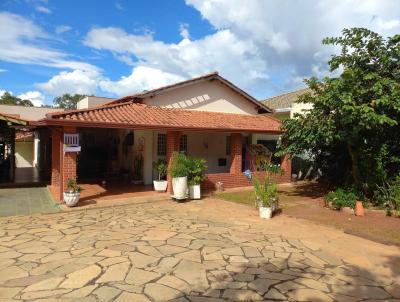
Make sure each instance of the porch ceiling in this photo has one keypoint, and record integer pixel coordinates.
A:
(141, 116)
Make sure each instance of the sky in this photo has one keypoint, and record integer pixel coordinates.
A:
(119, 47)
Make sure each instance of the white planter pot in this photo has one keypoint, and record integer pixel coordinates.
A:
(160, 185)
(194, 192)
(71, 199)
(265, 213)
(180, 188)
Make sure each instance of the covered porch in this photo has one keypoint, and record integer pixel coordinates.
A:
(116, 157)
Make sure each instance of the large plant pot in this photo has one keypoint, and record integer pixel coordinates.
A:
(180, 188)
(160, 185)
(194, 192)
(71, 199)
(265, 212)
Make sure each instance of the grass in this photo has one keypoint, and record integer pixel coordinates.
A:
(306, 201)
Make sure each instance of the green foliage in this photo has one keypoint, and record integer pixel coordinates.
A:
(72, 186)
(179, 165)
(161, 167)
(352, 130)
(8, 99)
(67, 101)
(196, 170)
(266, 192)
(389, 194)
(341, 198)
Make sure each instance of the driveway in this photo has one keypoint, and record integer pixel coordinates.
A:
(209, 250)
(26, 201)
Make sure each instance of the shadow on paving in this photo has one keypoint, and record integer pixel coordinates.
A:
(26, 201)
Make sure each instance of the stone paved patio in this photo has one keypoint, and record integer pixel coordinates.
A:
(26, 201)
(198, 251)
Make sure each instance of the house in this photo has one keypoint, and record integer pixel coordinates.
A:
(285, 105)
(207, 117)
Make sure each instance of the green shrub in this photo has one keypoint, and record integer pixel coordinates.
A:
(196, 170)
(341, 198)
(161, 168)
(266, 193)
(389, 194)
(179, 167)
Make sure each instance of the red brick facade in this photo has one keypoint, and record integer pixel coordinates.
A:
(56, 134)
(236, 154)
(172, 146)
(63, 165)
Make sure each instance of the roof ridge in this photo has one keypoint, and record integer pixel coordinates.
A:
(283, 94)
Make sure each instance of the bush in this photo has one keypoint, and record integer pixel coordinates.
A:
(179, 165)
(266, 193)
(196, 170)
(389, 195)
(341, 198)
(161, 166)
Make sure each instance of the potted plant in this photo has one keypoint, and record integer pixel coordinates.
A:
(73, 193)
(196, 168)
(179, 172)
(160, 185)
(266, 197)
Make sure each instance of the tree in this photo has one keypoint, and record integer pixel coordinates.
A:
(8, 99)
(352, 129)
(67, 101)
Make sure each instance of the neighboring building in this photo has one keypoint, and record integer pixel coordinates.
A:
(285, 105)
(207, 117)
(23, 147)
(92, 101)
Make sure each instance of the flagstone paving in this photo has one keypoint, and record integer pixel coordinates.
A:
(171, 252)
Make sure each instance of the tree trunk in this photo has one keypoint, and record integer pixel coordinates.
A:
(354, 155)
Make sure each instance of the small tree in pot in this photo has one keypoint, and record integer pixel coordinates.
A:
(73, 193)
(160, 166)
(196, 175)
(266, 196)
(179, 173)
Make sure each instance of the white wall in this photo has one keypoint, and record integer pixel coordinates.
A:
(206, 96)
(24, 154)
(92, 101)
(299, 108)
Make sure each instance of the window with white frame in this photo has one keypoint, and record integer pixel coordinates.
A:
(183, 144)
(161, 144)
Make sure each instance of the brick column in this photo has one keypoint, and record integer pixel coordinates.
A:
(56, 143)
(236, 153)
(172, 146)
(286, 165)
(68, 162)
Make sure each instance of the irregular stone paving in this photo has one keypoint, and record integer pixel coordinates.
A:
(151, 252)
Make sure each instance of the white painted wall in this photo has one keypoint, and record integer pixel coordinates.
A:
(205, 96)
(299, 108)
(92, 101)
(24, 154)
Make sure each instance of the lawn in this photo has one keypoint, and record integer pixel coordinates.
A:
(306, 201)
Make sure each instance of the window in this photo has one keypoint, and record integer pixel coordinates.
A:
(162, 144)
(183, 144)
(228, 145)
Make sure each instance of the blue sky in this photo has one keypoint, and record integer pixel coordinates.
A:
(119, 47)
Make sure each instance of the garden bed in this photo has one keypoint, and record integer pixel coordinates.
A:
(305, 201)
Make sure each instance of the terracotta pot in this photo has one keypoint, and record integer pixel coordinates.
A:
(359, 210)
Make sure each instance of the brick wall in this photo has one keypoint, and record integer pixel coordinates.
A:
(55, 162)
(69, 163)
(236, 153)
(172, 146)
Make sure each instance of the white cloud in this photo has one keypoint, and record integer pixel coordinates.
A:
(22, 42)
(141, 78)
(2, 92)
(76, 81)
(256, 45)
(36, 97)
(62, 29)
(43, 9)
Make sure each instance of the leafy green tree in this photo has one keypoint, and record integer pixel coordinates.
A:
(8, 99)
(352, 131)
(67, 101)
